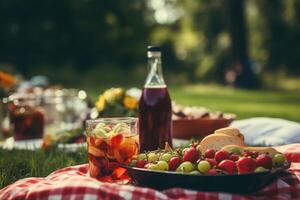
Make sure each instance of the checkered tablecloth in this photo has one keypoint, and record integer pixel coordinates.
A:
(75, 183)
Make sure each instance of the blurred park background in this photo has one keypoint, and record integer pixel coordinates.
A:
(239, 56)
(89, 44)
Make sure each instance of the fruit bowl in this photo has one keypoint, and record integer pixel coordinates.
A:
(185, 128)
(235, 183)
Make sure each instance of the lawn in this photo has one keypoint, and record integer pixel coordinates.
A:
(244, 103)
(19, 164)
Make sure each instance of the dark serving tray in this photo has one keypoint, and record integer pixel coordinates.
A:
(243, 183)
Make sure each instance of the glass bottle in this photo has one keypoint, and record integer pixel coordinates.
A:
(155, 108)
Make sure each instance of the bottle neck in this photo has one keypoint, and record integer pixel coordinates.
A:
(155, 75)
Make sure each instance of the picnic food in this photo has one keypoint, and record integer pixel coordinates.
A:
(234, 132)
(231, 139)
(110, 144)
(223, 162)
(221, 138)
(193, 112)
(214, 156)
(197, 122)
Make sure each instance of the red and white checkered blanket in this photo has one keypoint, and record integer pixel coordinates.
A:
(75, 183)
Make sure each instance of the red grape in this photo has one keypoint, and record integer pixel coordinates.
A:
(221, 155)
(234, 157)
(212, 172)
(252, 154)
(210, 153)
(212, 161)
(174, 163)
(141, 163)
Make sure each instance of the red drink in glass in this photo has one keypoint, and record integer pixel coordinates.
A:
(111, 142)
(155, 122)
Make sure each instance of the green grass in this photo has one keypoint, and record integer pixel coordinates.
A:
(244, 103)
(19, 164)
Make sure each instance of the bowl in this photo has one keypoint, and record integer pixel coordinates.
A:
(236, 183)
(184, 128)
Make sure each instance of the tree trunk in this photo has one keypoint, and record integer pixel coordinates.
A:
(241, 73)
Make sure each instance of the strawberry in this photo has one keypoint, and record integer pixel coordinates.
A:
(228, 166)
(191, 154)
(264, 160)
(246, 165)
(221, 155)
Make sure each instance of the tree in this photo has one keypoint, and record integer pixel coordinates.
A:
(240, 70)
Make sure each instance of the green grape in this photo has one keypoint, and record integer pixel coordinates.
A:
(142, 156)
(260, 169)
(162, 165)
(195, 172)
(278, 160)
(203, 166)
(152, 157)
(132, 163)
(186, 167)
(235, 150)
(166, 157)
(153, 167)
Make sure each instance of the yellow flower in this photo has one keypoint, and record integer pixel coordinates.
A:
(100, 104)
(118, 92)
(130, 102)
(112, 94)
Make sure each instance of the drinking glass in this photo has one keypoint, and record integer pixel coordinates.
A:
(111, 142)
(26, 116)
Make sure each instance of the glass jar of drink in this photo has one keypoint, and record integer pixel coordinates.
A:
(155, 108)
(111, 142)
(26, 116)
(4, 119)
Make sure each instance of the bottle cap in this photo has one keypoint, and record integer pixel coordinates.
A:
(154, 48)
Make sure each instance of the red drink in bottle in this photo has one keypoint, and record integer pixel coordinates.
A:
(155, 108)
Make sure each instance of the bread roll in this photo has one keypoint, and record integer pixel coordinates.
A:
(231, 132)
(218, 141)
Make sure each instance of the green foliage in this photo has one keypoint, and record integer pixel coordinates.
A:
(84, 37)
(78, 33)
